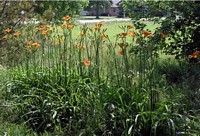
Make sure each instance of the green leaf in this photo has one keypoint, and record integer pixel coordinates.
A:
(130, 130)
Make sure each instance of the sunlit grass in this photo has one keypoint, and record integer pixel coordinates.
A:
(112, 28)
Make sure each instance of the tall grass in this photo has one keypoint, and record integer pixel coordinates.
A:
(90, 84)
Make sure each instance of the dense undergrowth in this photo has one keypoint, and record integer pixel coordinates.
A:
(89, 85)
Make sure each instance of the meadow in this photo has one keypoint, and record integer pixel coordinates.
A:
(96, 79)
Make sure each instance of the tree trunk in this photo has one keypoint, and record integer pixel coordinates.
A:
(97, 9)
(3, 6)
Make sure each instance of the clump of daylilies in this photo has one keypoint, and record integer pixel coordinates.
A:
(10, 33)
(127, 31)
(67, 24)
(45, 29)
(98, 26)
(97, 30)
(31, 44)
(97, 33)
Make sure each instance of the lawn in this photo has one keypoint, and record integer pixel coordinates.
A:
(112, 28)
(77, 81)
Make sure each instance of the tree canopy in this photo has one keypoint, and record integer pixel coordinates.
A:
(180, 23)
(57, 9)
(99, 5)
(49, 10)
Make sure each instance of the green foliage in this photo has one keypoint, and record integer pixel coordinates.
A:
(90, 85)
(185, 79)
(97, 5)
(45, 104)
(183, 76)
(183, 30)
(180, 24)
(11, 129)
(12, 14)
(134, 9)
(57, 9)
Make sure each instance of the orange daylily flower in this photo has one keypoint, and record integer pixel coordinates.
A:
(86, 63)
(194, 55)
(129, 26)
(5, 36)
(70, 27)
(66, 18)
(147, 34)
(103, 36)
(45, 32)
(16, 34)
(36, 45)
(7, 30)
(123, 35)
(196, 52)
(131, 33)
(100, 24)
(120, 52)
(42, 27)
(163, 35)
(96, 28)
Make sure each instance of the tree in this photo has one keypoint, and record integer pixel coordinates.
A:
(97, 5)
(12, 13)
(57, 9)
(180, 24)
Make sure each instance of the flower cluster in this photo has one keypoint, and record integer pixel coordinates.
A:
(98, 26)
(66, 23)
(147, 33)
(127, 31)
(8, 33)
(45, 29)
(31, 44)
(194, 55)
